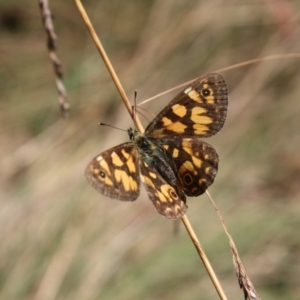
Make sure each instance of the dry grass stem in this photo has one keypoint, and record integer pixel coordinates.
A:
(108, 64)
(51, 45)
(261, 59)
(235, 66)
(185, 220)
(203, 257)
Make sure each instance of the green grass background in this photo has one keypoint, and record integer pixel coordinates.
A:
(59, 239)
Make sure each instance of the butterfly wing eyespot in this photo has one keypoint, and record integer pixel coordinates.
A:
(115, 173)
(206, 92)
(187, 178)
(102, 174)
(173, 194)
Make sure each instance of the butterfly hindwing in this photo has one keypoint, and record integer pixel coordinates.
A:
(167, 199)
(196, 163)
(199, 110)
(115, 172)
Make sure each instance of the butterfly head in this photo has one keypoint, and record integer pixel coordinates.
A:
(132, 133)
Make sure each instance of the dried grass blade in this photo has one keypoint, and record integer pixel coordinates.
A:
(51, 45)
(243, 279)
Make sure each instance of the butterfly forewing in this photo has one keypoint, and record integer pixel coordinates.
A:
(199, 110)
(115, 172)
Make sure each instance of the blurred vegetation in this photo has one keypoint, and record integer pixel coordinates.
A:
(62, 240)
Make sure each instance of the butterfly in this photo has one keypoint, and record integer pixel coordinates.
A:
(169, 157)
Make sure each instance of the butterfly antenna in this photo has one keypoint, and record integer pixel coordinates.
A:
(134, 106)
(145, 116)
(104, 124)
(146, 111)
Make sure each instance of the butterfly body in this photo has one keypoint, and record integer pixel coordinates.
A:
(156, 157)
(170, 158)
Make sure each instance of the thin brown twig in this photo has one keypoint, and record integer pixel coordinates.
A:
(51, 45)
(243, 64)
(184, 219)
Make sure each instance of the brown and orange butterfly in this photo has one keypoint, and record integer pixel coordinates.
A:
(169, 157)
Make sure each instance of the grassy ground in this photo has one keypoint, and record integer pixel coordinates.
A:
(62, 240)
